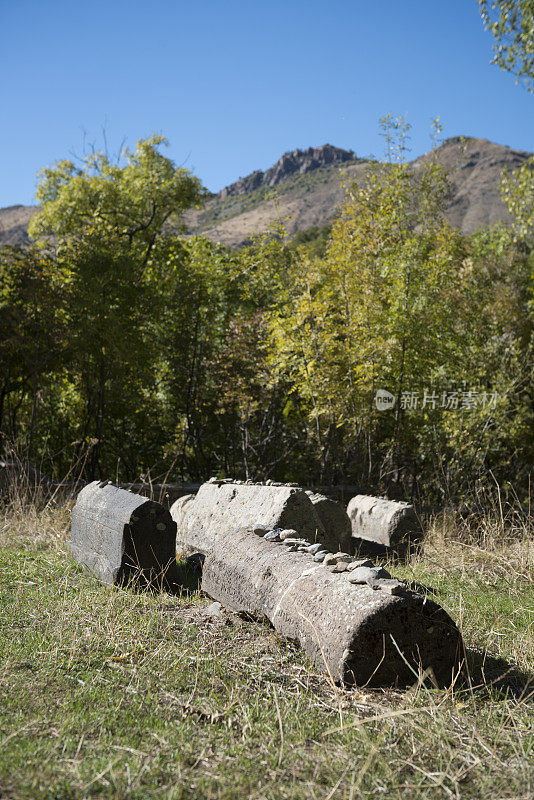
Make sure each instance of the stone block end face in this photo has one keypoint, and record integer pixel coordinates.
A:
(335, 521)
(397, 646)
(178, 509)
(149, 558)
(123, 538)
(298, 513)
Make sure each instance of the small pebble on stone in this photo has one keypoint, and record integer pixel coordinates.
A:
(380, 572)
(360, 562)
(289, 533)
(376, 579)
(391, 586)
(341, 566)
(374, 583)
(361, 575)
(329, 559)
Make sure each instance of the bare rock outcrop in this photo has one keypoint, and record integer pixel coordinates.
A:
(295, 161)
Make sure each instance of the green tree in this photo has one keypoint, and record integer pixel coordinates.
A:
(114, 205)
(223, 411)
(380, 311)
(195, 284)
(404, 303)
(517, 192)
(34, 294)
(104, 220)
(512, 24)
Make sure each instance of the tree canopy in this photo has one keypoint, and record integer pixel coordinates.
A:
(114, 204)
(131, 351)
(512, 24)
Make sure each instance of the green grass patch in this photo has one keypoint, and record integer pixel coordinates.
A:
(107, 693)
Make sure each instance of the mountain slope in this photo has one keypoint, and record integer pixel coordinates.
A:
(313, 198)
(14, 222)
(304, 188)
(475, 168)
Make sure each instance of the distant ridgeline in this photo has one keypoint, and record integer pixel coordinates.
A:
(308, 189)
(296, 162)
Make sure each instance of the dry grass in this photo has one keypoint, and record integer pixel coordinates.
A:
(110, 694)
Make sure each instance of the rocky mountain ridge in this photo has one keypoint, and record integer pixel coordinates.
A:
(296, 161)
(474, 167)
(305, 188)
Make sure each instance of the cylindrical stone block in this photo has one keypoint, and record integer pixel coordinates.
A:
(386, 522)
(357, 634)
(225, 505)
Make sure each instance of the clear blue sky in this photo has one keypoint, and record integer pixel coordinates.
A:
(233, 85)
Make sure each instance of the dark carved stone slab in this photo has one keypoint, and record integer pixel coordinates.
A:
(122, 537)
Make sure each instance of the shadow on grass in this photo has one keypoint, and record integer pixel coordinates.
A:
(496, 678)
(191, 572)
(180, 578)
(398, 553)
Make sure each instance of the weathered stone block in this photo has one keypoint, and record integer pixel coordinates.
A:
(335, 520)
(220, 506)
(179, 508)
(121, 537)
(385, 522)
(357, 634)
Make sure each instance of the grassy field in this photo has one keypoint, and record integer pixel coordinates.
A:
(109, 694)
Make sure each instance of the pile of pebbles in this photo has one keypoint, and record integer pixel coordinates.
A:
(356, 571)
(221, 481)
